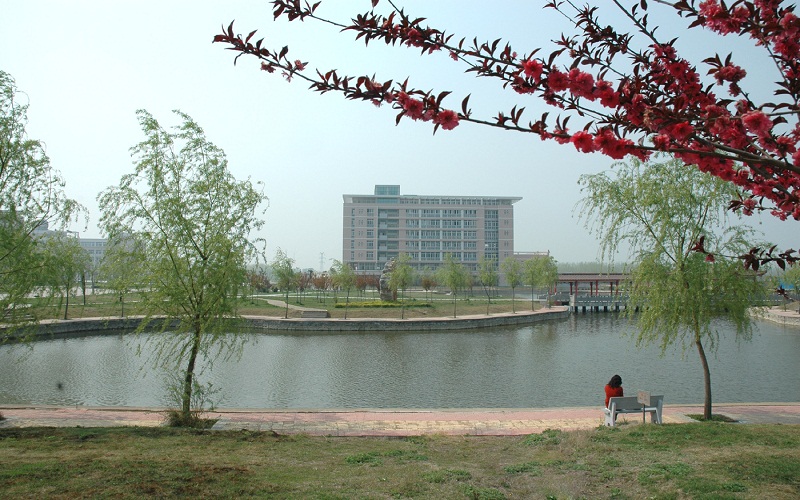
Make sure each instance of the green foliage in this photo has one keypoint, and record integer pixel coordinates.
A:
(666, 212)
(792, 277)
(343, 277)
(283, 271)
(186, 222)
(402, 277)
(31, 197)
(454, 276)
(512, 270)
(540, 272)
(66, 261)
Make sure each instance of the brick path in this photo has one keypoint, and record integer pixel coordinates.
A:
(373, 422)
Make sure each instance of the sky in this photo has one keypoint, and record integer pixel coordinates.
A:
(86, 66)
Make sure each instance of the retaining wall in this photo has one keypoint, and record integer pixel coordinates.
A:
(89, 325)
(786, 318)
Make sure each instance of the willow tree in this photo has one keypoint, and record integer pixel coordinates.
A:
(401, 278)
(454, 276)
(191, 221)
(66, 262)
(283, 270)
(487, 275)
(31, 198)
(512, 270)
(344, 278)
(684, 271)
(540, 272)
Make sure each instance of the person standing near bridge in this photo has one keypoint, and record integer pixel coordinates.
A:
(614, 388)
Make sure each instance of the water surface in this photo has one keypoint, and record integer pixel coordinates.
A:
(556, 363)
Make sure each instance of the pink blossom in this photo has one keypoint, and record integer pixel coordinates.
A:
(413, 108)
(583, 142)
(267, 67)
(680, 131)
(447, 119)
(557, 81)
(729, 73)
(581, 83)
(611, 145)
(796, 158)
(606, 93)
(757, 122)
(749, 206)
(710, 258)
(533, 69)
(662, 142)
(299, 66)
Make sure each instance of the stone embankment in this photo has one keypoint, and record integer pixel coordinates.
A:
(266, 323)
(786, 317)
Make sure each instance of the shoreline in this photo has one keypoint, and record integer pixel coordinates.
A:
(271, 323)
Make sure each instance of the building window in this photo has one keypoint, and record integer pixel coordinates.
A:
(429, 256)
(370, 255)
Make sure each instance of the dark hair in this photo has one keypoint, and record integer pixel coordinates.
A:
(615, 381)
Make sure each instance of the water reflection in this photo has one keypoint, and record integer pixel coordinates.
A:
(559, 363)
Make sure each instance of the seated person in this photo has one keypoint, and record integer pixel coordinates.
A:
(614, 388)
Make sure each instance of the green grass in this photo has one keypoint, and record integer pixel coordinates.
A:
(415, 304)
(697, 460)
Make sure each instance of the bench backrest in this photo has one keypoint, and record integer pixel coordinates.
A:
(630, 402)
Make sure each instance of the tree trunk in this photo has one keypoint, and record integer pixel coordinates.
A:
(706, 378)
(66, 306)
(513, 306)
(186, 399)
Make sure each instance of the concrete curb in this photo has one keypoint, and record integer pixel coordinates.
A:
(389, 422)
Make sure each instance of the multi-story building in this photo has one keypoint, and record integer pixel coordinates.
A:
(381, 226)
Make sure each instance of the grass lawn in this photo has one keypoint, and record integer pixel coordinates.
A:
(697, 460)
(416, 305)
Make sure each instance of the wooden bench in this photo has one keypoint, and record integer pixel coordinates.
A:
(630, 404)
(317, 313)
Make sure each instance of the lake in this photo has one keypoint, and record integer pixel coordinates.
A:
(563, 362)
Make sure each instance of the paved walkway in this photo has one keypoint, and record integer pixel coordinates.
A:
(372, 422)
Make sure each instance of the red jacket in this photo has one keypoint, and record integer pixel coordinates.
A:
(613, 392)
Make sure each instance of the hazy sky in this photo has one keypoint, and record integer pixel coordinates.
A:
(87, 66)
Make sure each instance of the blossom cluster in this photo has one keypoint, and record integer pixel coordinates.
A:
(657, 103)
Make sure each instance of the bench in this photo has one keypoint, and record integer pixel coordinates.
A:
(316, 313)
(630, 404)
